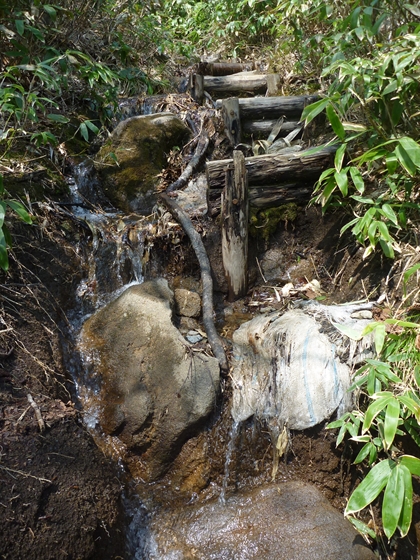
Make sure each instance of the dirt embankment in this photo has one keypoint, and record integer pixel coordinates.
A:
(60, 497)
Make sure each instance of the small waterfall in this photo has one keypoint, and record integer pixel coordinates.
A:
(233, 433)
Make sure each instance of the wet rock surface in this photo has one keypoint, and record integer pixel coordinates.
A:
(290, 520)
(155, 392)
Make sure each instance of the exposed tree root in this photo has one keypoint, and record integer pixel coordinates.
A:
(203, 144)
(203, 260)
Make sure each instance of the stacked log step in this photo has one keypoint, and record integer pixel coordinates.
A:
(258, 115)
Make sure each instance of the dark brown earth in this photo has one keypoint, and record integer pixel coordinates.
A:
(60, 496)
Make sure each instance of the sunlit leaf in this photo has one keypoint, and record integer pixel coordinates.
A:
(335, 122)
(357, 179)
(370, 487)
(393, 501)
(339, 157)
(392, 416)
(342, 181)
(404, 521)
(380, 334)
(389, 213)
(313, 110)
(375, 408)
(405, 160)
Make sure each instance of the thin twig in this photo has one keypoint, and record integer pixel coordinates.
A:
(38, 416)
(26, 475)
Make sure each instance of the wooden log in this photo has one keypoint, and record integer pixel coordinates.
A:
(235, 227)
(243, 81)
(223, 68)
(289, 106)
(275, 168)
(232, 120)
(270, 196)
(196, 87)
(273, 84)
(264, 127)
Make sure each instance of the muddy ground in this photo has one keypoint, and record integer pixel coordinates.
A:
(60, 496)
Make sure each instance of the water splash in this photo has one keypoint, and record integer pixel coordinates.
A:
(233, 433)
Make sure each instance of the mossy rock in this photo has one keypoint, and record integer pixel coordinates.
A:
(130, 161)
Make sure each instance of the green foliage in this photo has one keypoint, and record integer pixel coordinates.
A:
(76, 57)
(373, 108)
(201, 26)
(389, 387)
(5, 237)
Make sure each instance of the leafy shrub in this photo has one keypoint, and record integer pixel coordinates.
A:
(390, 386)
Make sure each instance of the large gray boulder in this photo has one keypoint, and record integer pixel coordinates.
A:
(290, 521)
(130, 161)
(153, 391)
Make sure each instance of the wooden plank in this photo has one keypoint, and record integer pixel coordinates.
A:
(232, 120)
(235, 227)
(275, 169)
(270, 196)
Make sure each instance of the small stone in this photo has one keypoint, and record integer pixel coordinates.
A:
(188, 302)
(362, 314)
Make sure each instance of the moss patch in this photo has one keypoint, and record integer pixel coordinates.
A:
(131, 160)
(264, 222)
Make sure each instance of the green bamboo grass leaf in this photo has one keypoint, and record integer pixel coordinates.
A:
(370, 487)
(412, 149)
(380, 334)
(58, 118)
(387, 249)
(84, 131)
(313, 110)
(20, 26)
(405, 324)
(393, 501)
(389, 213)
(348, 331)
(411, 404)
(339, 157)
(4, 259)
(362, 527)
(392, 415)
(1, 185)
(404, 521)
(342, 181)
(2, 213)
(357, 179)
(405, 160)
(375, 408)
(20, 210)
(372, 229)
(412, 464)
(384, 231)
(363, 453)
(335, 122)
